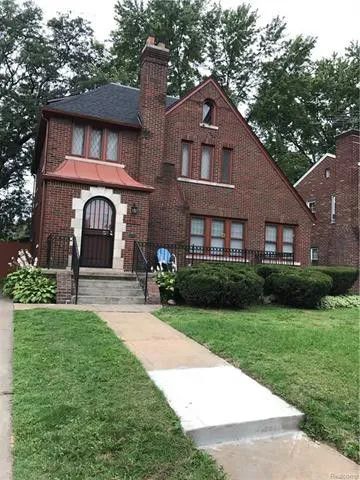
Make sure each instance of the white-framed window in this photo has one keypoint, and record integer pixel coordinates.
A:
(327, 172)
(312, 205)
(206, 162)
(185, 159)
(333, 209)
(314, 254)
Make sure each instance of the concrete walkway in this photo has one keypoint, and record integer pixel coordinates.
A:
(249, 431)
(6, 345)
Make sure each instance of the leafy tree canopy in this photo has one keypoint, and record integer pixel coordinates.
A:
(37, 62)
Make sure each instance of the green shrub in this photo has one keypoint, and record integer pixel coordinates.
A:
(266, 270)
(29, 285)
(219, 285)
(166, 283)
(343, 277)
(299, 288)
(340, 301)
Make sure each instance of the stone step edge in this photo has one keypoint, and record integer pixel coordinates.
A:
(235, 432)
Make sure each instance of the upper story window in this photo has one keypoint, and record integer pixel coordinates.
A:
(327, 172)
(333, 209)
(225, 166)
(206, 162)
(185, 159)
(311, 205)
(208, 112)
(279, 238)
(78, 140)
(96, 143)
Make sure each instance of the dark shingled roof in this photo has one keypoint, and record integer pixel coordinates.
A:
(111, 102)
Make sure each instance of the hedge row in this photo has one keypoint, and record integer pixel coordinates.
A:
(219, 285)
(237, 285)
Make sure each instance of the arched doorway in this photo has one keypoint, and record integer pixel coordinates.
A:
(97, 238)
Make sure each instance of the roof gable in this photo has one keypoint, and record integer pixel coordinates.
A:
(327, 155)
(248, 129)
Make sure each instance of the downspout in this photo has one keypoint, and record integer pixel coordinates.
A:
(43, 185)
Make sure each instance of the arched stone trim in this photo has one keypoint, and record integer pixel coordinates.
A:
(120, 226)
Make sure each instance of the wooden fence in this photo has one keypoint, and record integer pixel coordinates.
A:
(7, 251)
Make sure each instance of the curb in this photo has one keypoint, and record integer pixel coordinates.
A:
(6, 347)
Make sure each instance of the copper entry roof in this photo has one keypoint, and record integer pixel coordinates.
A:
(95, 173)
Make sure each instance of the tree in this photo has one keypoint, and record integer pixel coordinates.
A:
(36, 63)
(178, 23)
(231, 50)
(301, 105)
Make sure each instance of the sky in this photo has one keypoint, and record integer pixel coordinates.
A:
(334, 23)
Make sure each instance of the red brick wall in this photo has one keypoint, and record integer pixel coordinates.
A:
(338, 243)
(58, 213)
(260, 195)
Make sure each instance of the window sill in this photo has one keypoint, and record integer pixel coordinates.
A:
(205, 182)
(94, 160)
(212, 127)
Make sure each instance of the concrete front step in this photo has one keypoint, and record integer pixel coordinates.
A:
(110, 292)
(115, 300)
(99, 283)
(222, 404)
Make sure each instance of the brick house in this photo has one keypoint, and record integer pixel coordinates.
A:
(331, 190)
(119, 164)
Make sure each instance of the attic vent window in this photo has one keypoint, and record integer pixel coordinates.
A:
(208, 112)
(327, 172)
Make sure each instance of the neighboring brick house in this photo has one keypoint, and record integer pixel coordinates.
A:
(119, 164)
(331, 190)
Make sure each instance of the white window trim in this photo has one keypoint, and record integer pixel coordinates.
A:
(206, 125)
(205, 182)
(311, 253)
(308, 205)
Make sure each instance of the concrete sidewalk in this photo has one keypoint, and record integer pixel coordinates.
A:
(249, 431)
(6, 346)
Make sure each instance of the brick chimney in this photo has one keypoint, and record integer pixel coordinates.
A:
(152, 104)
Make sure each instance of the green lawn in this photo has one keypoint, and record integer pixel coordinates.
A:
(84, 408)
(308, 357)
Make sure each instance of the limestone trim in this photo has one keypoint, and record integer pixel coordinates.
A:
(120, 226)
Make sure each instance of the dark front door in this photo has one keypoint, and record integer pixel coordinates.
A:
(97, 241)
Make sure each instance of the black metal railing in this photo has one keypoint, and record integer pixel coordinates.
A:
(75, 266)
(58, 250)
(141, 268)
(187, 255)
(60, 247)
